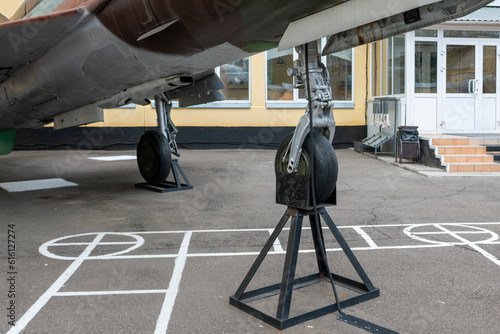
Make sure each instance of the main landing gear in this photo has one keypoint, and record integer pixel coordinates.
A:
(154, 152)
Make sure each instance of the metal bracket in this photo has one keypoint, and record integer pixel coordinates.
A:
(321, 101)
(169, 186)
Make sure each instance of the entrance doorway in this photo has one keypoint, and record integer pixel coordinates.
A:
(470, 84)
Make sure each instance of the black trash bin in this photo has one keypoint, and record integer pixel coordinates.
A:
(408, 145)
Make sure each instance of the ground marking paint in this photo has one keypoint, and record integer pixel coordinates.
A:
(365, 236)
(56, 286)
(173, 288)
(106, 293)
(115, 158)
(21, 186)
(182, 255)
(277, 244)
(471, 244)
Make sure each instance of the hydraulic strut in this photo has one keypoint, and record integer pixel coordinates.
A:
(321, 102)
(165, 124)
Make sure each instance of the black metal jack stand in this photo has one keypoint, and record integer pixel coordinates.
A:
(282, 319)
(169, 186)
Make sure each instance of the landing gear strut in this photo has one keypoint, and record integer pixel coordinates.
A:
(293, 165)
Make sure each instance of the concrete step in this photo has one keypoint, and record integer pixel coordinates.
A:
(476, 158)
(474, 167)
(451, 142)
(460, 150)
(484, 142)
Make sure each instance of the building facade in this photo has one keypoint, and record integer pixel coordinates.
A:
(445, 77)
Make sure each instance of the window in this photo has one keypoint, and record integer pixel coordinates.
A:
(279, 84)
(339, 66)
(471, 34)
(425, 67)
(426, 33)
(388, 66)
(489, 69)
(280, 92)
(236, 77)
(44, 7)
(460, 68)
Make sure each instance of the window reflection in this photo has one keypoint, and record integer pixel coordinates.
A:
(339, 66)
(235, 76)
(425, 67)
(460, 68)
(279, 84)
(489, 69)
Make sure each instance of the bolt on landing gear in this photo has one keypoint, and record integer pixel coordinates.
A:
(306, 175)
(154, 152)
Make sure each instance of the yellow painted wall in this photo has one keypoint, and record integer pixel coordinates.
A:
(9, 7)
(258, 115)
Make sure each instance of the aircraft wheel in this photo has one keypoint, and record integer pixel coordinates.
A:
(153, 156)
(325, 163)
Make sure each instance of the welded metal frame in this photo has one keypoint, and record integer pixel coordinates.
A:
(282, 320)
(169, 186)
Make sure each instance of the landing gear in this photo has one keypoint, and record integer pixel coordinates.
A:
(293, 165)
(155, 148)
(306, 170)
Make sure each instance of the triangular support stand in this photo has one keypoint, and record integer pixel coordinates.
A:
(169, 186)
(282, 320)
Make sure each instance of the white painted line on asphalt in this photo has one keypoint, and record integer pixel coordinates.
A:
(58, 284)
(444, 233)
(44, 249)
(470, 244)
(277, 243)
(365, 236)
(100, 244)
(115, 158)
(173, 288)
(31, 185)
(432, 231)
(182, 256)
(105, 293)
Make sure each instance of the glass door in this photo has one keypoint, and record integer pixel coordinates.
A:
(471, 87)
(462, 87)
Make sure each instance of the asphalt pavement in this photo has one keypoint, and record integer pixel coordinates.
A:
(98, 255)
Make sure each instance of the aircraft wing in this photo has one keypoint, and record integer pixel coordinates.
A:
(24, 41)
(357, 22)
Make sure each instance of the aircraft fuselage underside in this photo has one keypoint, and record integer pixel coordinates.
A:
(130, 43)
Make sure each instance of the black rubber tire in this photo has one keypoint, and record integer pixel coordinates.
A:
(153, 157)
(325, 164)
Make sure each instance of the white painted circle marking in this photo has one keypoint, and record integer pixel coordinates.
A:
(409, 231)
(136, 243)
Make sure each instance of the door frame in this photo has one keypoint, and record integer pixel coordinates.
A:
(478, 95)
